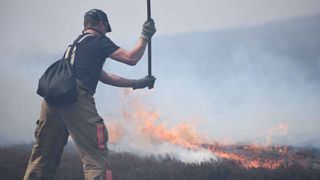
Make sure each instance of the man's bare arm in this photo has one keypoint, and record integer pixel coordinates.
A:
(115, 80)
(130, 57)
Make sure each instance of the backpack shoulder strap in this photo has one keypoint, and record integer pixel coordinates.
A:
(72, 48)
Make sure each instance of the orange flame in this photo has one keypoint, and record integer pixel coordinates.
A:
(146, 124)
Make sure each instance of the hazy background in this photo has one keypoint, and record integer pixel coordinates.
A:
(237, 68)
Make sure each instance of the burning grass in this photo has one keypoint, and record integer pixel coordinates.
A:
(127, 166)
(270, 157)
(142, 128)
(150, 132)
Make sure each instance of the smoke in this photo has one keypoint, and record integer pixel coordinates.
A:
(140, 129)
(245, 81)
(231, 84)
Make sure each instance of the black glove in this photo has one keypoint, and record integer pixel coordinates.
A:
(148, 30)
(147, 81)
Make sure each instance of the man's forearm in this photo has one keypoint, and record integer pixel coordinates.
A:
(115, 80)
(131, 57)
(138, 51)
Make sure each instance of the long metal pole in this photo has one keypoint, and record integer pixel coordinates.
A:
(149, 43)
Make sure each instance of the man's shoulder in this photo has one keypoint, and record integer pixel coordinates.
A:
(100, 39)
(93, 40)
(104, 39)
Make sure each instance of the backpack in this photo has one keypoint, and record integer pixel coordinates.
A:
(58, 84)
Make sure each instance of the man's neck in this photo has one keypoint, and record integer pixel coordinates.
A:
(93, 31)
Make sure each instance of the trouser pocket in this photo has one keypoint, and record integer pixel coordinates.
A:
(101, 135)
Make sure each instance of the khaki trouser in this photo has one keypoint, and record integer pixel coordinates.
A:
(88, 131)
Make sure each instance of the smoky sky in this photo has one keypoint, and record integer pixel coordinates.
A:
(240, 82)
(236, 79)
(44, 27)
(245, 80)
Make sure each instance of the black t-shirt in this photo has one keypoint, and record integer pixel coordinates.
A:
(90, 56)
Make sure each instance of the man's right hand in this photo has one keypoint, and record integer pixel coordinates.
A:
(148, 30)
(147, 81)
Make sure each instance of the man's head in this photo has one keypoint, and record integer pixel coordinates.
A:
(96, 18)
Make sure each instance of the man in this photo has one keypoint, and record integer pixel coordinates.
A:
(81, 120)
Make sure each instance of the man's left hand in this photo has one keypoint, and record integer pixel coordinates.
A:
(147, 81)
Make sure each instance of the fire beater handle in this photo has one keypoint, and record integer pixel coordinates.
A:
(149, 43)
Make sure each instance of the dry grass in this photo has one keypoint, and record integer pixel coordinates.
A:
(126, 166)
